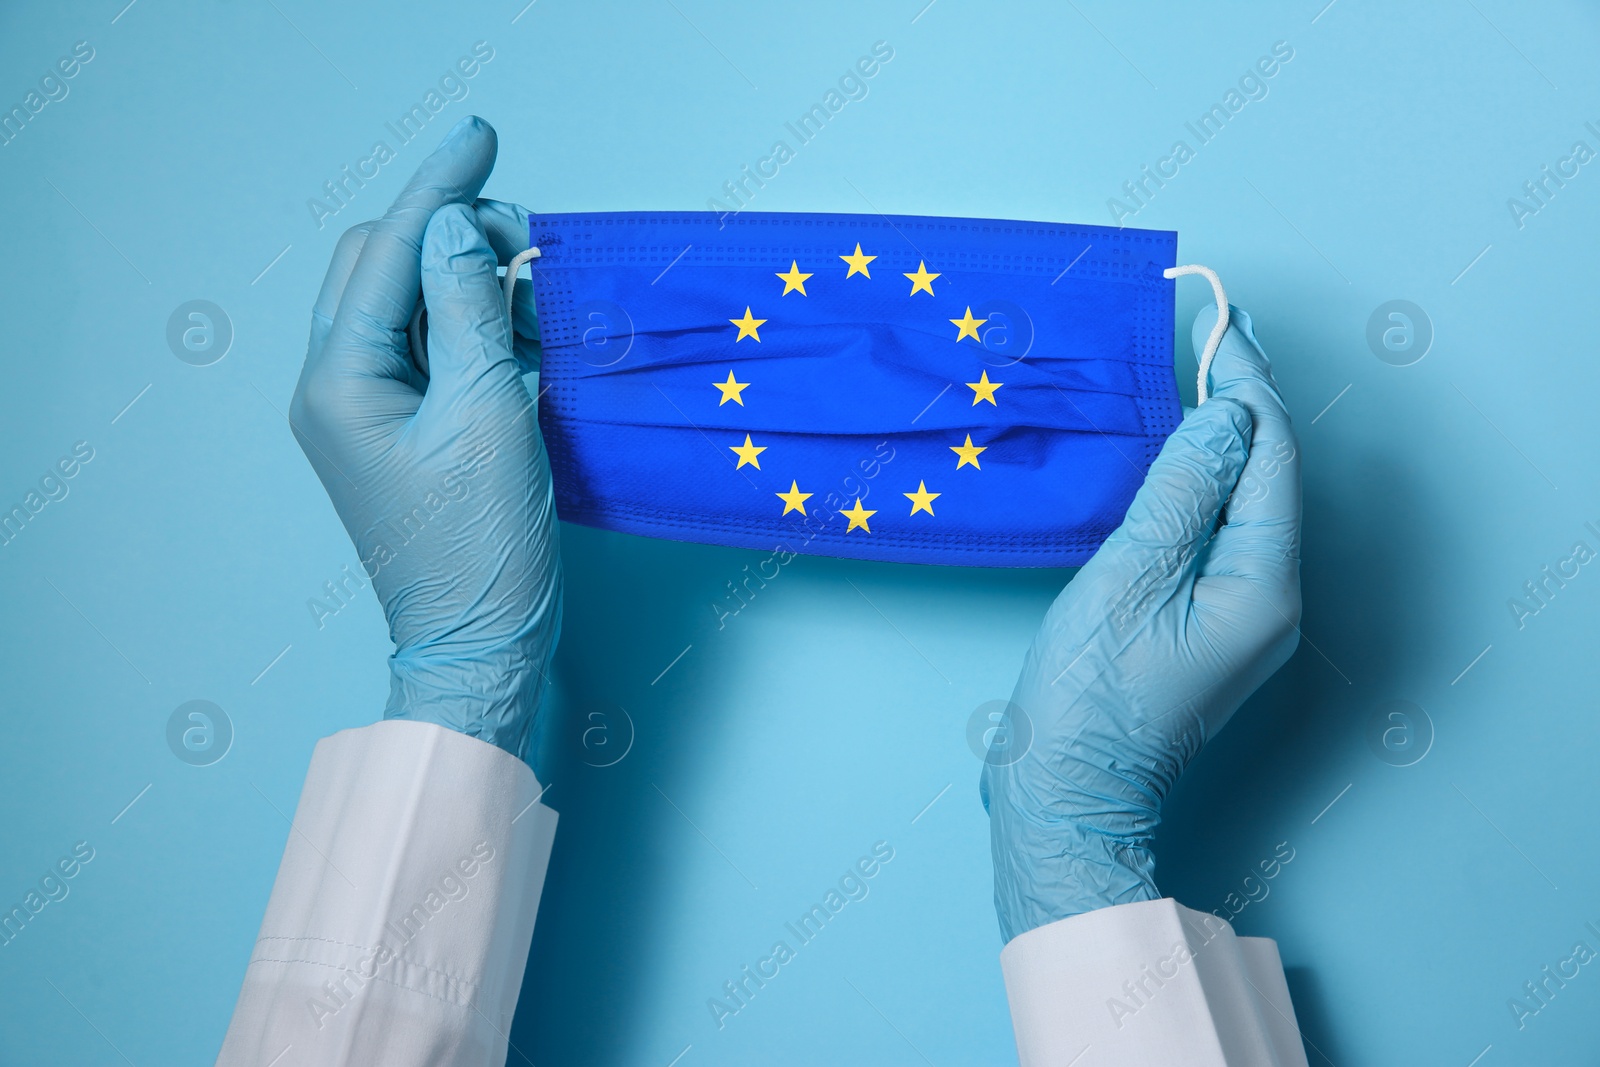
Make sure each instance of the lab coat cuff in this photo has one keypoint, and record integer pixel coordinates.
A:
(1149, 983)
(400, 922)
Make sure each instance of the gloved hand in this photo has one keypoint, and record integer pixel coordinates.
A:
(441, 479)
(1150, 649)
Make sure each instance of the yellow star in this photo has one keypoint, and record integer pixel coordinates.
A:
(795, 280)
(922, 281)
(983, 389)
(731, 390)
(968, 453)
(794, 499)
(858, 516)
(967, 326)
(858, 263)
(747, 326)
(921, 500)
(748, 452)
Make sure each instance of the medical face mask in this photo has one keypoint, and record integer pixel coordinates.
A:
(921, 390)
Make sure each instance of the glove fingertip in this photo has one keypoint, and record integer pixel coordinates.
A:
(474, 132)
(1238, 342)
(453, 232)
(506, 226)
(1221, 423)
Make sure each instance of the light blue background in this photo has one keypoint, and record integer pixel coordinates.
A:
(830, 712)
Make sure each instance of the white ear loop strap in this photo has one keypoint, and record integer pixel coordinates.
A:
(1212, 342)
(511, 273)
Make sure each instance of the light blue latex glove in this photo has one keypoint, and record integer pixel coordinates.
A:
(1150, 649)
(442, 482)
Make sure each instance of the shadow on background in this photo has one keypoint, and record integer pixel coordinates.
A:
(1266, 776)
(1311, 1012)
(632, 604)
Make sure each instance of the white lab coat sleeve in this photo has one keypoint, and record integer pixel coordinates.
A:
(1151, 983)
(399, 925)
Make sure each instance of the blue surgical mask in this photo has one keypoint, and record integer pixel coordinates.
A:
(975, 392)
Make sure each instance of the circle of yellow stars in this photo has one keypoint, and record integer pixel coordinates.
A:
(794, 281)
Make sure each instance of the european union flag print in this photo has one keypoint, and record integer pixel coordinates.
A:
(912, 389)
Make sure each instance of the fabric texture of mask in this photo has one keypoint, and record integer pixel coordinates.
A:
(922, 390)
